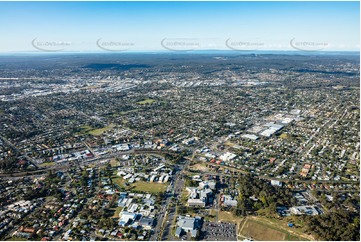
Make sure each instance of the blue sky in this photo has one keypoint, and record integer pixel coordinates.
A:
(77, 26)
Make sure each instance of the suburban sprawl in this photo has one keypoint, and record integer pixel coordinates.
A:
(180, 146)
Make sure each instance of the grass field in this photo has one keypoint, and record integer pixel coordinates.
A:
(261, 229)
(212, 212)
(212, 215)
(283, 136)
(86, 129)
(47, 164)
(199, 167)
(146, 101)
(294, 238)
(228, 217)
(96, 132)
(149, 187)
(114, 162)
(117, 211)
(281, 224)
(230, 144)
(119, 181)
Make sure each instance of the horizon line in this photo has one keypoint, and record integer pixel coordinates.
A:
(173, 51)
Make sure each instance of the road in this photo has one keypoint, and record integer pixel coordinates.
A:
(235, 172)
(64, 165)
(162, 214)
(178, 186)
(167, 210)
(167, 231)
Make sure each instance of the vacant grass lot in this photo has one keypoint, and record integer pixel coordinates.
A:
(151, 187)
(199, 167)
(117, 211)
(258, 231)
(114, 163)
(281, 224)
(96, 132)
(212, 215)
(86, 129)
(283, 136)
(146, 101)
(47, 164)
(228, 217)
(119, 181)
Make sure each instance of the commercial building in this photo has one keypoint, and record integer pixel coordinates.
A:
(188, 225)
(228, 201)
(146, 223)
(125, 218)
(307, 210)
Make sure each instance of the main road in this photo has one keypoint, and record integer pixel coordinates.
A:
(176, 188)
(64, 165)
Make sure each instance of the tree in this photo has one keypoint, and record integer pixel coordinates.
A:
(263, 198)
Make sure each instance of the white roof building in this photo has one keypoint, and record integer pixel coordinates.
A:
(276, 183)
(229, 201)
(125, 218)
(227, 156)
(250, 136)
(307, 210)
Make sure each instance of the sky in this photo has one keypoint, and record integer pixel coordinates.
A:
(176, 26)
